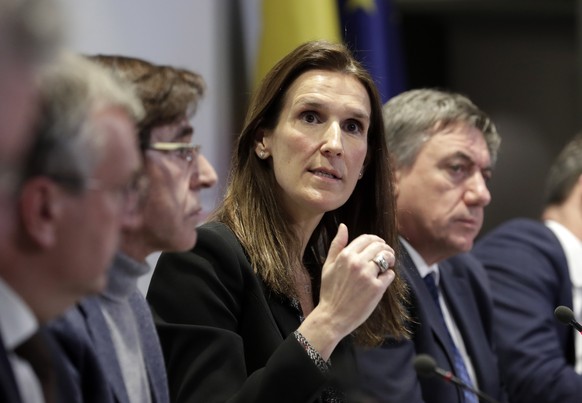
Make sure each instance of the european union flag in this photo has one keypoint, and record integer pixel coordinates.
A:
(370, 30)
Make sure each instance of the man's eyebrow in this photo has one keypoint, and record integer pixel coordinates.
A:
(468, 159)
(462, 155)
(184, 131)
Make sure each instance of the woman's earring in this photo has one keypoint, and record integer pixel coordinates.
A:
(262, 154)
(361, 174)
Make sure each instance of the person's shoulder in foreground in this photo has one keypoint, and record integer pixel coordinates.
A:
(68, 214)
(533, 266)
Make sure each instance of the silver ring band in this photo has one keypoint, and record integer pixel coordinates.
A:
(381, 263)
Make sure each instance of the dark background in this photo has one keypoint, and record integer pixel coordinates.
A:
(519, 60)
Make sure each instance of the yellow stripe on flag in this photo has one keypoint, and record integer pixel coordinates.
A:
(289, 23)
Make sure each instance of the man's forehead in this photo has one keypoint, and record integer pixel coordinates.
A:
(461, 141)
(179, 131)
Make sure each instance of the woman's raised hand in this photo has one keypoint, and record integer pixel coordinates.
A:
(352, 284)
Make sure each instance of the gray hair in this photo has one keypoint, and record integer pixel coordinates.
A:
(72, 89)
(412, 117)
(30, 29)
(564, 173)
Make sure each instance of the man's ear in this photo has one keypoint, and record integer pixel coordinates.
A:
(397, 176)
(41, 206)
(577, 189)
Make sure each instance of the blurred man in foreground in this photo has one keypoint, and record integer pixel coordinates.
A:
(76, 193)
(29, 35)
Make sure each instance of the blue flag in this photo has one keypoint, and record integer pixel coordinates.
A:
(370, 30)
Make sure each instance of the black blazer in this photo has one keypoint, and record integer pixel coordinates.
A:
(9, 391)
(93, 366)
(529, 278)
(227, 337)
(388, 372)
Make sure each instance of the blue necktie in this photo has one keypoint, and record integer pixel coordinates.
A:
(460, 368)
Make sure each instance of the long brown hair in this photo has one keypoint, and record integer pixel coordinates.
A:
(253, 212)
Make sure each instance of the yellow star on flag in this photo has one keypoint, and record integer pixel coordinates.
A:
(368, 6)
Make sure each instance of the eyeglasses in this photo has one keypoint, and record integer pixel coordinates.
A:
(185, 151)
(129, 194)
(137, 185)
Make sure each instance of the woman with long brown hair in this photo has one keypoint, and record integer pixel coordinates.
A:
(295, 262)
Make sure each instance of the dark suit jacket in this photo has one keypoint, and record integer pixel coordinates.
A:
(9, 391)
(529, 277)
(84, 370)
(225, 336)
(388, 373)
(86, 339)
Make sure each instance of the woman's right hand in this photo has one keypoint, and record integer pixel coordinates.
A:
(351, 287)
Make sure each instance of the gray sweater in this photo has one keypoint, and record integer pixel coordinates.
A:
(123, 325)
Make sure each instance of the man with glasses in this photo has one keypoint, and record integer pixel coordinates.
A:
(117, 325)
(75, 195)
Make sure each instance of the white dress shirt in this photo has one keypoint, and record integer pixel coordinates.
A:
(18, 323)
(573, 250)
(424, 269)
